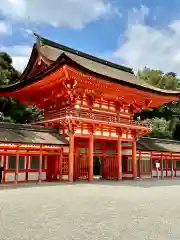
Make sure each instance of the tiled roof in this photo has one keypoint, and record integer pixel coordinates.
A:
(31, 134)
(52, 51)
(158, 145)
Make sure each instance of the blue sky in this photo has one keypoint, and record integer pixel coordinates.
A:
(135, 33)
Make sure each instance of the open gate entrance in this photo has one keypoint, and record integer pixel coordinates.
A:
(105, 164)
(97, 165)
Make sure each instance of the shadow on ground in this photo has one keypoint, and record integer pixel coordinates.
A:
(146, 183)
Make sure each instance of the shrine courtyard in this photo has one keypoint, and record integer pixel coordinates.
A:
(126, 210)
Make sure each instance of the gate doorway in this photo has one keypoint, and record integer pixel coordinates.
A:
(53, 168)
(105, 166)
(97, 161)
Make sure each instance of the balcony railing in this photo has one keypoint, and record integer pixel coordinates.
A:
(93, 116)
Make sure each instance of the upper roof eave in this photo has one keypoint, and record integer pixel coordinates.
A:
(63, 59)
(30, 64)
(53, 44)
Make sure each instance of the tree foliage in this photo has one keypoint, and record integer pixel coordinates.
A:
(10, 109)
(159, 79)
(165, 119)
(160, 128)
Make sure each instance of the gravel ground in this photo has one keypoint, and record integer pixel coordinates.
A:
(126, 210)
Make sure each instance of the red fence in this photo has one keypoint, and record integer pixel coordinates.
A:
(110, 167)
(81, 167)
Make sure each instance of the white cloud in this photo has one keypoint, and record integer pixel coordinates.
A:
(5, 28)
(66, 13)
(150, 46)
(20, 55)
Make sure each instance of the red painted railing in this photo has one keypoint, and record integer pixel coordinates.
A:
(93, 116)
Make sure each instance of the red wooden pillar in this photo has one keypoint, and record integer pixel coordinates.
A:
(151, 165)
(5, 169)
(162, 167)
(71, 156)
(172, 166)
(90, 158)
(27, 167)
(134, 161)
(119, 158)
(60, 164)
(17, 166)
(40, 165)
(139, 164)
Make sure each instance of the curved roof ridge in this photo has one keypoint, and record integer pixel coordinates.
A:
(51, 43)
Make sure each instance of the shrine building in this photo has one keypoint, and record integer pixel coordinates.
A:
(88, 127)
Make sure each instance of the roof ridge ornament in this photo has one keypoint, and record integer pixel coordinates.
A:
(39, 40)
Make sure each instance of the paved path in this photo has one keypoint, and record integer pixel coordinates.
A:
(128, 210)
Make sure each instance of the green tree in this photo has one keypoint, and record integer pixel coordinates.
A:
(166, 114)
(160, 128)
(10, 109)
(158, 79)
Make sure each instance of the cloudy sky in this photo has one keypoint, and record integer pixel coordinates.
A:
(135, 33)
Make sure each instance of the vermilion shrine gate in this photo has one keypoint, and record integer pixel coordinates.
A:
(92, 103)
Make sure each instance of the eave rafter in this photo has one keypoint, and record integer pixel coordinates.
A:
(142, 98)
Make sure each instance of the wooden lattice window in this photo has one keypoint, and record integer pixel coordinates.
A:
(12, 162)
(34, 164)
(178, 164)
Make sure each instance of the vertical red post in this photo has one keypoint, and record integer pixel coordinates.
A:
(151, 165)
(172, 166)
(162, 167)
(40, 165)
(17, 166)
(60, 164)
(5, 168)
(134, 161)
(90, 158)
(139, 164)
(27, 166)
(119, 158)
(71, 156)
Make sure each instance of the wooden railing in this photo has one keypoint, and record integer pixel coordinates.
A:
(94, 116)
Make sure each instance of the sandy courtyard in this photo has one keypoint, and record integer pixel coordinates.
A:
(102, 210)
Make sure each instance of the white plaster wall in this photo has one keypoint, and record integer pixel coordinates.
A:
(21, 176)
(85, 131)
(65, 177)
(97, 133)
(113, 134)
(10, 177)
(178, 173)
(126, 144)
(127, 175)
(127, 152)
(145, 176)
(106, 134)
(154, 173)
(43, 176)
(32, 176)
(66, 149)
(169, 173)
